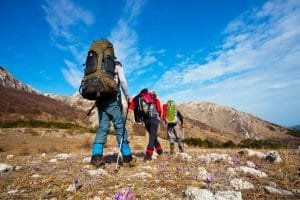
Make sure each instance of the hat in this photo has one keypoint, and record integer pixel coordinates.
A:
(145, 90)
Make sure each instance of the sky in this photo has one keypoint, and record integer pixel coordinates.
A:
(239, 53)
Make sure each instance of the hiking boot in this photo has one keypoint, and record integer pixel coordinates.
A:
(147, 158)
(172, 149)
(129, 161)
(180, 149)
(97, 161)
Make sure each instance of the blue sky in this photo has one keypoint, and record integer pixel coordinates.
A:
(239, 53)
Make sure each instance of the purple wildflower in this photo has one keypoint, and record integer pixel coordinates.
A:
(124, 194)
(37, 168)
(76, 180)
(208, 179)
(81, 170)
(258, 166)
(179, 168)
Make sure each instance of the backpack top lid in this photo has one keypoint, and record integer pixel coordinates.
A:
(147, 97)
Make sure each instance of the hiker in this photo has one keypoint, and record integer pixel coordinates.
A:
(148, 110)
(172, 117)
(108, 99)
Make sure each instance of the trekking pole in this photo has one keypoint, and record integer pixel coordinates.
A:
(182, 138)
(119, 152)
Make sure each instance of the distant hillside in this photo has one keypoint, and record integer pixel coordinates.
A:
(297, 127)
(19, 105)
(232, 124)
(21, 102)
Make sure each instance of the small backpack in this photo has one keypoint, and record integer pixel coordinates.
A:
(171, 114)
(146, 106)
(98, 79)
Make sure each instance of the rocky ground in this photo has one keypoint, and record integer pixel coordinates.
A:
(54, 164)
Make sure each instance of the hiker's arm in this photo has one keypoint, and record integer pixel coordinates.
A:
(122, 79)
(180, 117)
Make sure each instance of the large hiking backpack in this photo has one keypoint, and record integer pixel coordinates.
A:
(171, 114)
(99, 71)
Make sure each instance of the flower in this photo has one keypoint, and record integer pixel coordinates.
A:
(208, 179)
(37, 168)
(76, 180)
(179, 168)
(124, 194)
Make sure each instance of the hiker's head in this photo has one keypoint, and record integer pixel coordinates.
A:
(153, 93)
(143, 91)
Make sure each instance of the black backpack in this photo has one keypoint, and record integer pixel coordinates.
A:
(98, 79)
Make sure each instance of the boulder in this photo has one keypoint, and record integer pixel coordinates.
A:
(201, 174)
(192, 193)
(228, 195)
(63, 156)
(239, 184)
(252, 153)
(97, 172)
(5, 167)
(254, 172)
(183, 156)
(272, 190)
(273, 157)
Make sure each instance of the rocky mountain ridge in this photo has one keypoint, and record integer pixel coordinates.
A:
(203, 120)
(8, 81)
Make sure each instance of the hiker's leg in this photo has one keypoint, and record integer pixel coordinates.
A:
(121, 132)
(101, 135)
(156, 142)
(170, 129)
(178, 136)
(150, 147)
(100, 138)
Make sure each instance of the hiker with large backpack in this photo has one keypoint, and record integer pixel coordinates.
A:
(148, 110)
(102, 79)
(172, 117)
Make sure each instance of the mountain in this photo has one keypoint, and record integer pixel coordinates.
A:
(204, 120)
(21, 102)
(8, 81)
(231, 123)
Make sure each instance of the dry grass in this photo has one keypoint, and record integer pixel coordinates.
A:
(166, 181)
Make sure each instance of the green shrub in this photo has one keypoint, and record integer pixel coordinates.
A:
(229, 144)
(271, 128)
(39, 124)
(247, 143)
(259, 144)
(294, 132)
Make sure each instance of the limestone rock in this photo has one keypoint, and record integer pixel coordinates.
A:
(97, 172)
(192, 193)
(5, 167)
(254, 172)
(273, 157)
(252, 153)
(183, 157)
(272, 190)
(228, 195)
(239, 184)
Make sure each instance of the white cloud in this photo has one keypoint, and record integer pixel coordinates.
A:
(125, 40)
(254, 69)
(62, 15)
(72, 75)
(66, 20)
